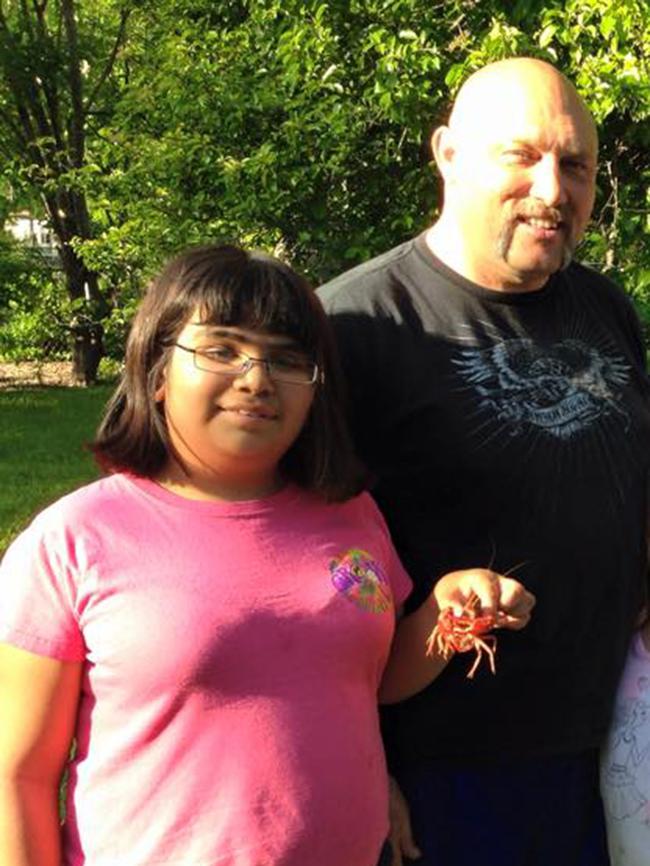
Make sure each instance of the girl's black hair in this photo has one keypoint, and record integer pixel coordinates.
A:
(229, 286)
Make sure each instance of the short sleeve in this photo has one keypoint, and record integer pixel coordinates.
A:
(400, 582)
(38, 591)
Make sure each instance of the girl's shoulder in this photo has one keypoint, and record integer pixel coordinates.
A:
(84, 505)
(364, 511)
(361, 504)
(365, 503)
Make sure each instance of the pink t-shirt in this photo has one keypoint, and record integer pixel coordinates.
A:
(232, 656)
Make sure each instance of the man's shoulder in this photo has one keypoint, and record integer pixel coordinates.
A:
(588, 275)
(364, 284)
(601, 286)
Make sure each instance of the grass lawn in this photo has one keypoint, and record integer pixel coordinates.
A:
(42, 434)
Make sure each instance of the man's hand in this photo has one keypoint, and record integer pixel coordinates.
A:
(401, 837)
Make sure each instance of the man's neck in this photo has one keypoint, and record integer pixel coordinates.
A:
(445, 242)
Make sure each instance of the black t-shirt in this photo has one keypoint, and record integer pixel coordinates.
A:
(511, 431)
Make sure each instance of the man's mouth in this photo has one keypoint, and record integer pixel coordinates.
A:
(541, 223)
(551, 220)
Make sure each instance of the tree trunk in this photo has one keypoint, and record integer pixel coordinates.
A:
(86, 327)
(87, 352)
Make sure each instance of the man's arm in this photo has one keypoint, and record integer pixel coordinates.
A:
(38, 704)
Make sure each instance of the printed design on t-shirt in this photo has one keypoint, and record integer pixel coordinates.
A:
(559, 390)
(361, 579)
(626, 760)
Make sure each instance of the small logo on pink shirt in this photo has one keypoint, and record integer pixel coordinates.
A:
(358, 577)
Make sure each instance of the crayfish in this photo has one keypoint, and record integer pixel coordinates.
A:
(463, 632)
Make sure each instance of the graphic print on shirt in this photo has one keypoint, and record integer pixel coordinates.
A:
(626, 768)
(559, 390)
(361, 579)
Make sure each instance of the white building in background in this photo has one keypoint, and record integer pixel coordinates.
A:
(33, 232)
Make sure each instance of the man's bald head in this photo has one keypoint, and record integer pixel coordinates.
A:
(518, 158)
(501, 86)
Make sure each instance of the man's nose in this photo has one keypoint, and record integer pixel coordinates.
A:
(548, 184)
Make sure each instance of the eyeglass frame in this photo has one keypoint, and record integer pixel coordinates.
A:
(248, 364)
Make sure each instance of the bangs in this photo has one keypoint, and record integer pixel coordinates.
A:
(263, 301)
(253, 291)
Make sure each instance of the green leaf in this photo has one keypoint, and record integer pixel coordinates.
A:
(547, 35)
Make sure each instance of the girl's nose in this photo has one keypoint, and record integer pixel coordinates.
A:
(255, 376)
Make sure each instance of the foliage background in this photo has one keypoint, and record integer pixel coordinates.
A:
(303, 128)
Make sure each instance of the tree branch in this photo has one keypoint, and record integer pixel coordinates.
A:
(48, 83)
(16, 131)
(106, 71)
(77, 138)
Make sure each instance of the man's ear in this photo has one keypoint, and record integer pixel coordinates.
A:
(443, 147)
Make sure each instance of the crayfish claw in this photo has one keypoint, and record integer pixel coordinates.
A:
(462, 633)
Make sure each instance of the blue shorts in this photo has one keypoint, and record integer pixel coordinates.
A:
(542, 812)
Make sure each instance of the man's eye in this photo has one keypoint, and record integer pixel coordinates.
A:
(519, 156)
(576, 166)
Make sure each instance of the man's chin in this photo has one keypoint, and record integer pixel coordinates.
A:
(541, 267)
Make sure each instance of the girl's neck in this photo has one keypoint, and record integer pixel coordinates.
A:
(213, 487)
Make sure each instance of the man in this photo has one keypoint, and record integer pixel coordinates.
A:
(499, 398)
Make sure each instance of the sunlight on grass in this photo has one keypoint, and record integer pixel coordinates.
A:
(42, 456)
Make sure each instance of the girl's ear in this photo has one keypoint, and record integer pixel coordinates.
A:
(159, 393)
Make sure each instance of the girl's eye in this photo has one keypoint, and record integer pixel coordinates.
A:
(289, 362)
(221, 353)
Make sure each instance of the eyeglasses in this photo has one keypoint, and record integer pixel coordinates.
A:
(228, 362)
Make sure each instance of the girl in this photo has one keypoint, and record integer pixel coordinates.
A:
(210, 621)
(625, 764)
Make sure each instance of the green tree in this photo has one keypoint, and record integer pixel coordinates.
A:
(304, 126)
(300, 127)
(56, 62)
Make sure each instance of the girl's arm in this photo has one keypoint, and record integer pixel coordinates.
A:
(38, 704)
(409, 669)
